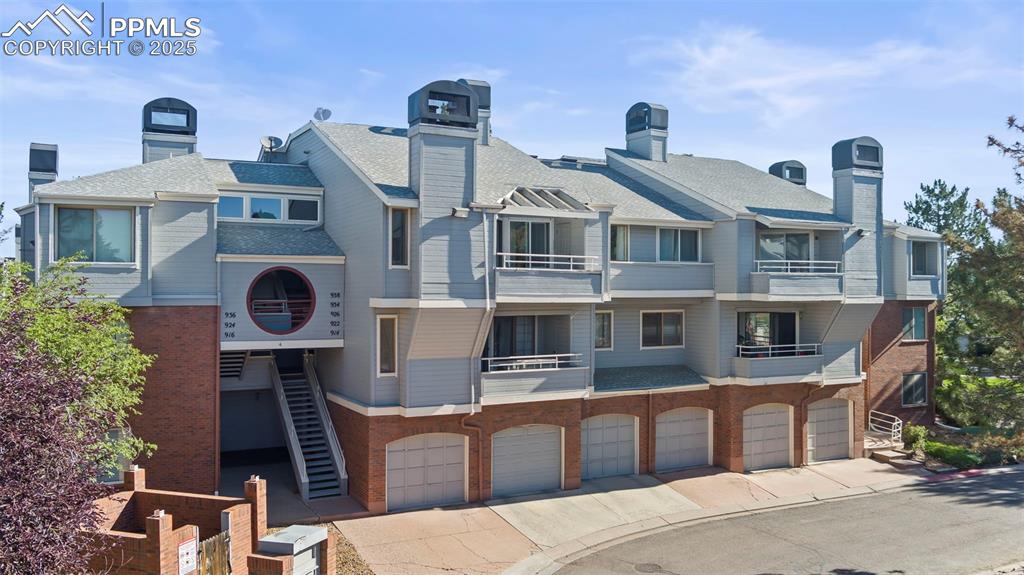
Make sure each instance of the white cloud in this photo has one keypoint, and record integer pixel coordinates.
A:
(477, 72)
(738, 69)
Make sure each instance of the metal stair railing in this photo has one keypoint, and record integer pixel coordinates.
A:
(337, 455)
(294, 447)
(886, 423)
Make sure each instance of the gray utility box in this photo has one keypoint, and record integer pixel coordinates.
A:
(301, 542)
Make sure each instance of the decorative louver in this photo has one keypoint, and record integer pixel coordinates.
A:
(543, 198)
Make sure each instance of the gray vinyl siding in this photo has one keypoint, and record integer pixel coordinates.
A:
(862, 252)
(671, 192)
(794, 367)
(550, 283)
(353, 217)
(398, 282)
(791, 284)
(237, 277)
(451, 249)
(440, 365)
(534, 381)
(702, 329)
(662, 276)
(129, 285)
(626, 335)
(828, 246)
(842, 359)
(28, 242)
(184, 247)
(895, 260)
(643, 242)
(733, 249)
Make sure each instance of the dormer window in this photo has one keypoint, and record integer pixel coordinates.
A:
(867, 153)
(267, 208)
(231, 207)
(168, 117)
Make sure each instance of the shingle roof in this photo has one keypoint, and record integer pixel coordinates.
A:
(740, 187)
(383, 155)
(912, 232)
(244, 172)
(274, 240)
(180, 174)
(645, 377)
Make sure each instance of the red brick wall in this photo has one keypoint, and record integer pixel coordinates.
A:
(364, 439)
(180, 409)
(889, 358)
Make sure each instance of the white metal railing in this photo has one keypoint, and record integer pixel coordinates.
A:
(799, 266)
(886, 423)
(558, 262)
(337, 455)
(524, 362)
(785, 350)
(295, 448)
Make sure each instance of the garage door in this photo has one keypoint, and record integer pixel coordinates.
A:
(828, 430)
(425, 470)
(766, 436)
(609, 445)
(682, 438)
(526, 459)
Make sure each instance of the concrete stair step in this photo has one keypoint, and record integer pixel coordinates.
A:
(888, 455)
(906, 463)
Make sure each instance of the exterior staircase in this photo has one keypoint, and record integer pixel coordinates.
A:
(316, 456)
(883, 441)
(231, 363)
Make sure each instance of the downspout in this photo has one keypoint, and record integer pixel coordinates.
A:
(476, 372)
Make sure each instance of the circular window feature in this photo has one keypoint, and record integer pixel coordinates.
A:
(281, 300)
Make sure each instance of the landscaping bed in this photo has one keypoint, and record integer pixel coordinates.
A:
(939, 449)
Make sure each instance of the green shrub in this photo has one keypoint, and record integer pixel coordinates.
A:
(999, 448)
(959, 457)
(914, 435)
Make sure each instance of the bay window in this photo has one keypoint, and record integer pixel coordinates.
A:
(96, 234)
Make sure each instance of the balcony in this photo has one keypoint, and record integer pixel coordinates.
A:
(797, 279)
(532, 374)
(795, 361)
(640, 279)
(546, 277)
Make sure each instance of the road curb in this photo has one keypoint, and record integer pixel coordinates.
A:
(552, 559)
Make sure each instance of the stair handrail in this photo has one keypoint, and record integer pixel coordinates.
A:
(294, 447)
(886, 423)
(337, 455)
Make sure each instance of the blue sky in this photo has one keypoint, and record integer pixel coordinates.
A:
(753, 81)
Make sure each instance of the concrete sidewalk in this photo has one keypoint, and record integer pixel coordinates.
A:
(535, 534)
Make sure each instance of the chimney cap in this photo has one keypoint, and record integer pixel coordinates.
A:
(862, 152)
(790, 170)
(444, 102)
(169, 116)
(482, 89)
(646, 116)
(42, 158)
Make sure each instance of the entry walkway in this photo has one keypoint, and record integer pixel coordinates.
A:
(529, 534)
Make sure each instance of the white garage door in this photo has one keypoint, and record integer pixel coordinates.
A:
(828, 430)
(609, 445)
(426, 470)
(526, 459)
(766, 436)
(682, 438)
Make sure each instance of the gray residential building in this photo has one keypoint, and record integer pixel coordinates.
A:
(427, 315)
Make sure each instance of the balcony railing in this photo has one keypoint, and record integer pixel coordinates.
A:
(281, 313)
(785, 350)
(526, 362)
(799, 267)
(509, 260)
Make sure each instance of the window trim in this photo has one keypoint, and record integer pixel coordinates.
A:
(657, 245)
(913, 324)
(611, 330)
(283, 198)
(929, 245)
(506, 232)
(611, 253)
(682, 329)
(408, 240)
(54, 242)
(903, 383)
(394, 343)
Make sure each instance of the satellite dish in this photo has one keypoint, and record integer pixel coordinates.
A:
(322, 114)
(271, 142)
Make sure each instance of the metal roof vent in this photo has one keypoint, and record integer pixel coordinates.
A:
(862, 152)
(444, 103)
(645, 116)
(790, 170)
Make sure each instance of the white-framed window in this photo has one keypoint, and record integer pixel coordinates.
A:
(678, 245)
(604, 330)
(619, 243)
(398, 246)
(268, 208)
(100, 235)
(661, 329)
(914, 391)
(387, 346)
(915, 323)
(924, 258)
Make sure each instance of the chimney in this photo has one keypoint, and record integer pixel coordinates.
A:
(647, 131)
(168, 129)
(42, 165)
(790, 170)
(483, 97)
(857, 198)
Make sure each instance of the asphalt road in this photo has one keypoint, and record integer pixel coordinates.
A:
(956, 527)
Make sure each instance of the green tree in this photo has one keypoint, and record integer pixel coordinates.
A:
(948, 211)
